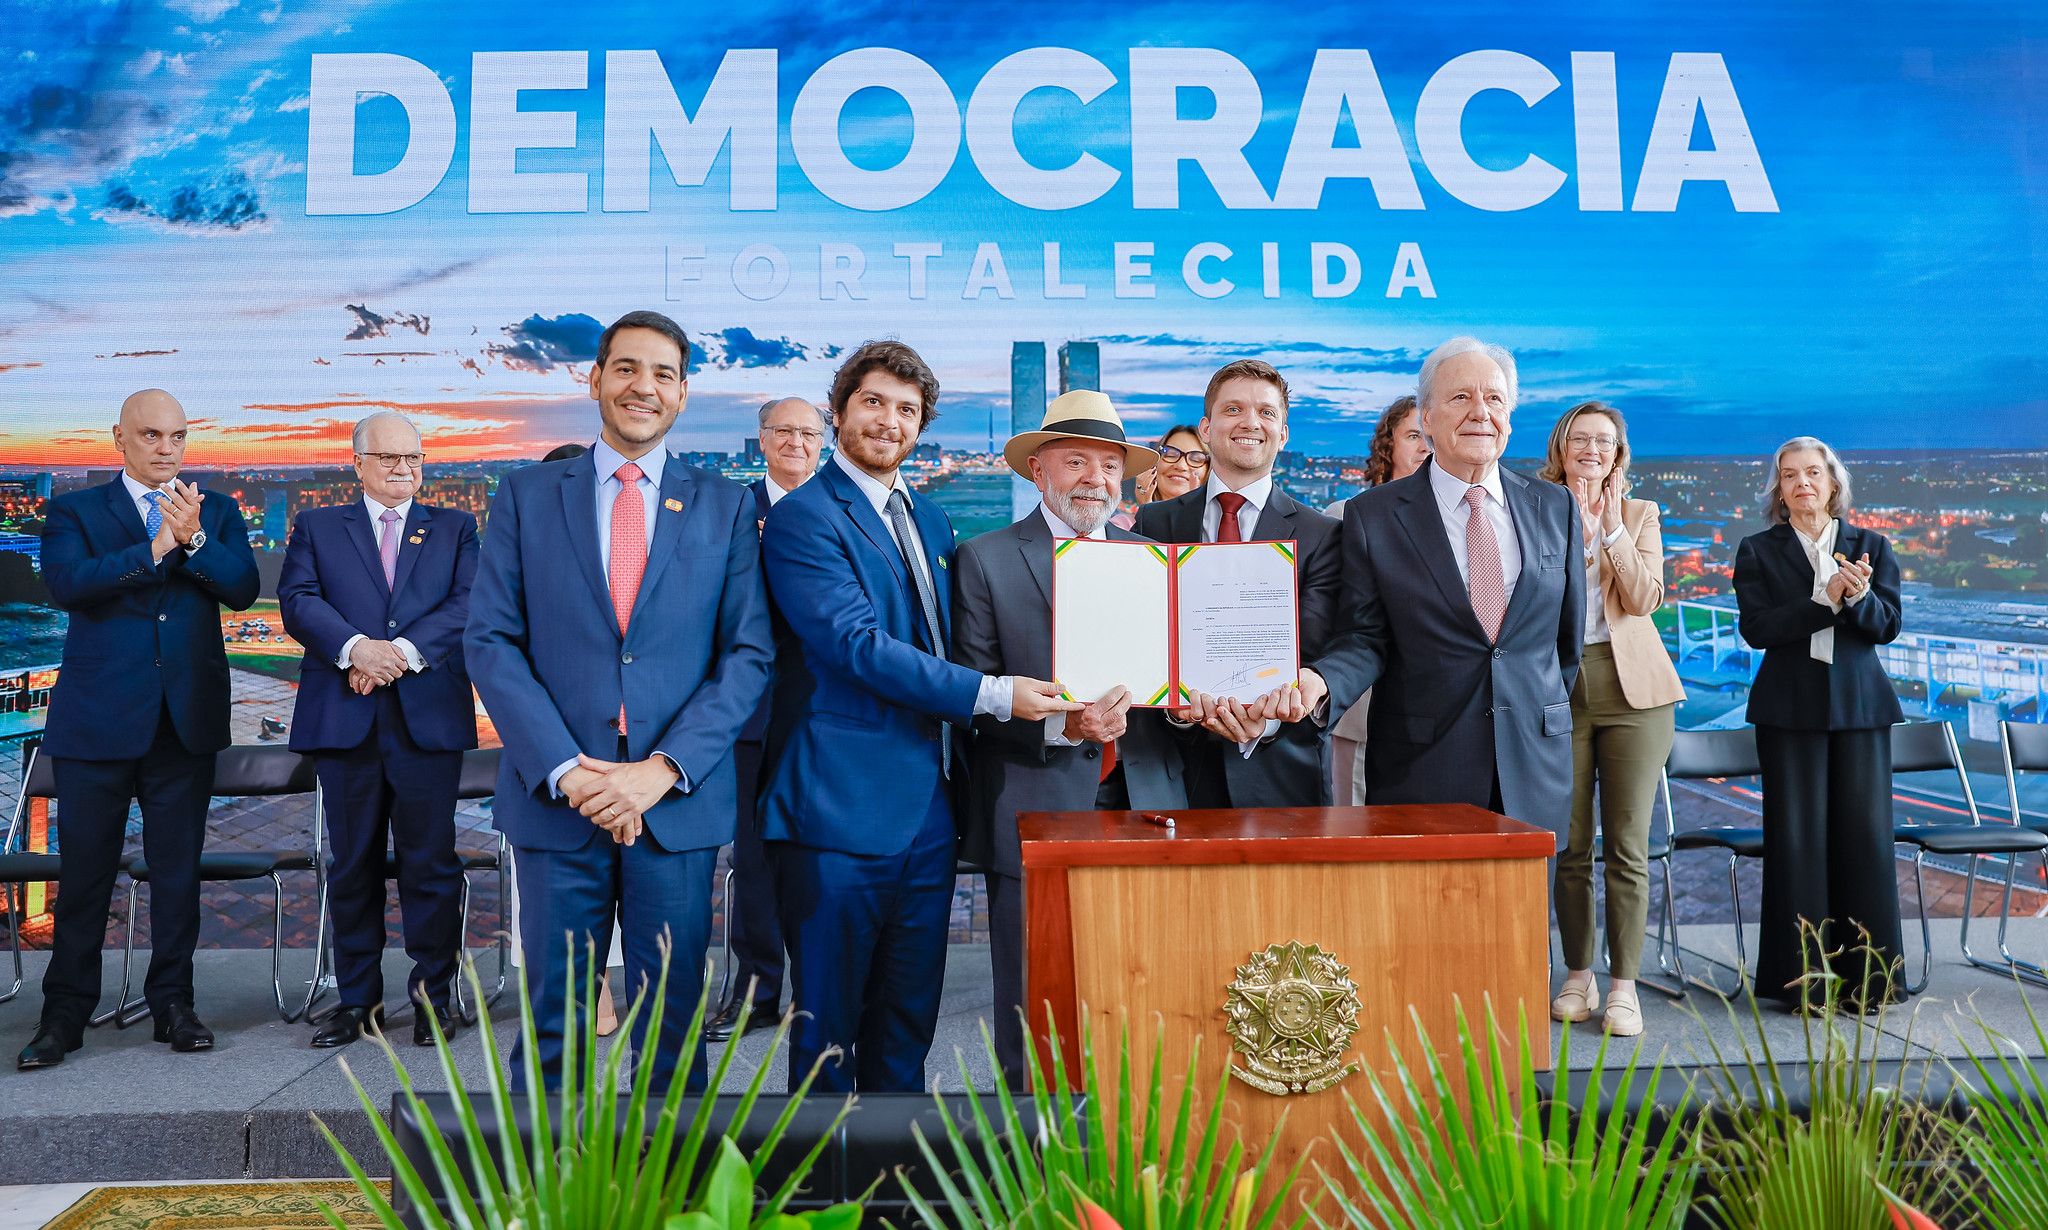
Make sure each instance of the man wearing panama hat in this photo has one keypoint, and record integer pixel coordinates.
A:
(1104, 756)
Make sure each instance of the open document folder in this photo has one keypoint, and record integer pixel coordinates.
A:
(1165, 620)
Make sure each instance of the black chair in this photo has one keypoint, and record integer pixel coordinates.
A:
(241, 771)
(2025, 749)
(1698, 755)
(479, 780)
(1927, 747)
(20, 868)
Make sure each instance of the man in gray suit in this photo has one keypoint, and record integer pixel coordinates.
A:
(1464, 603)
(1103, 757)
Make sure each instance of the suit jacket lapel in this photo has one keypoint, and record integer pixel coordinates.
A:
(122, 505)
(416, 528)
(669, 514)
(1276, 519)
(1424, 523)
(1034, 543)
(1187, 514)
(361, 533)
(865, 516)
(579, 512)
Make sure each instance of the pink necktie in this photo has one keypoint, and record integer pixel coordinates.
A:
(388, 548)
(1482, 566)
(629, 553)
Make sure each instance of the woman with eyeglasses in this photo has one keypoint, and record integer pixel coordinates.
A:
(1183, 466)
(1398, 449)
(1624, 708)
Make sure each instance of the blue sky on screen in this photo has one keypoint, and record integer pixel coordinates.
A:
(154, 225)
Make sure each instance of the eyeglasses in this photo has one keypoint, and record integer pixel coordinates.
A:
(1168, 452)
(811, 435)
(1604, 443)
(391, 461)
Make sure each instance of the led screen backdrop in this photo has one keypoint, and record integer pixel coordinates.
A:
(1737, 222)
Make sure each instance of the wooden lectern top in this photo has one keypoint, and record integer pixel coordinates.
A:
(1402, 833)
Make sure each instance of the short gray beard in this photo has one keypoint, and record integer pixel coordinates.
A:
(1082, 521)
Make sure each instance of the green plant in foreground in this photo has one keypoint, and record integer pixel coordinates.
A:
(2010, 1136)
(1857, 1148)
(598, 1168)
(1504, 1155)
(1151, 1172)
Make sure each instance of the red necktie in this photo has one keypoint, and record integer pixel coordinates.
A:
(1482, 566)
(1108, 761)
(628, 554)
(1226, 530)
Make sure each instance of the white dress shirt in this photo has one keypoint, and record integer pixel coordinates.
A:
(139, 492)
(775, 491)
(1449, 490)
(998, 692)
(1056, 723)
(1255, 496)
(607, 461)
(1820, 552)
(413, 661)
(1597, 631)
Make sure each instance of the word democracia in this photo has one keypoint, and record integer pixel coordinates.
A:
(739, 108)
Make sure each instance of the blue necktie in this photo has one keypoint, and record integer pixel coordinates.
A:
(155, 520)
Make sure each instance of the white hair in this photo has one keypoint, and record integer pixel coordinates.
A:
(768, 407)
(362, 431)
(1465, 345)
(1773, 502)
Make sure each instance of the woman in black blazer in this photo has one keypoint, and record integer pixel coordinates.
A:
(1818, 595)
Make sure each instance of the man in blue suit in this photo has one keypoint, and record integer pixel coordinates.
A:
(143, 565)
(859, 813)
(378, 593)
(792, 435)
(618, 633)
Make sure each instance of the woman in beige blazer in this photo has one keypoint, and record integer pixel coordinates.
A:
(1623, 709)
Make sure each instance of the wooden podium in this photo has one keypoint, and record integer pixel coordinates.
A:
(1424, 905)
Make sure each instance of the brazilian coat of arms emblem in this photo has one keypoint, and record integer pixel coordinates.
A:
(1292, 1011)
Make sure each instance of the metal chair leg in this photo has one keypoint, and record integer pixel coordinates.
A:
(1669, 960)
(277, 948)
(1927, 933)
(725, 983)
(121, 1013)
(2025, 970)
(17, 902)
(323, 958)
(1741, 944)
(459, 996)
(504, 932)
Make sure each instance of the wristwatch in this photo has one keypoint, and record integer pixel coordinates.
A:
(198, 540)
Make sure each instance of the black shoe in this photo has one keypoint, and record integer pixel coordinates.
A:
(48, 1048)
(182, 1028)
(423, 1031)
(767, 1013)
(346, 1025)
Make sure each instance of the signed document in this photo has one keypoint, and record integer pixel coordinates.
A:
(1167, 620)
(1237, 634)
(1112, 624)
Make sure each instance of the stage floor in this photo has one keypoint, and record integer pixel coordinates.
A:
(126, 1108)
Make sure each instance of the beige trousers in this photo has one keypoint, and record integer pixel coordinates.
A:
(1619, 749)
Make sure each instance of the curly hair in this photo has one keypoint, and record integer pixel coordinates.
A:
(1379, 462)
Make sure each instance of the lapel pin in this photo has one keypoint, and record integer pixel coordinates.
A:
(942, 561)
(414, 539)
(673, 505)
